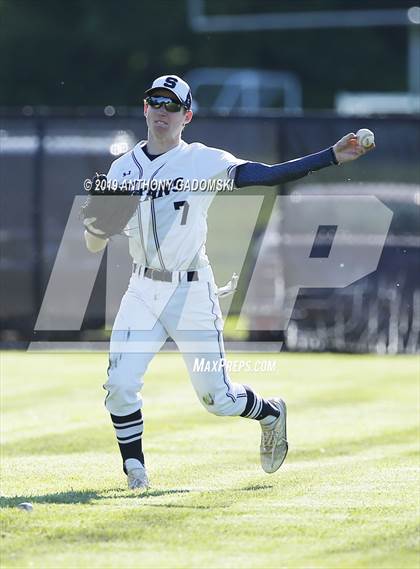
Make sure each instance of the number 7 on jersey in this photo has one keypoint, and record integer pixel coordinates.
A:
(185, 205)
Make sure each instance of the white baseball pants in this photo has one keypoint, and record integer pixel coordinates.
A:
(188, 312)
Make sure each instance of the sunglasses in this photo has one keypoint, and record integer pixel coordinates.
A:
(170, 105)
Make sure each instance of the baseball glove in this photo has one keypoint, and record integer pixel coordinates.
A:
(107, 210)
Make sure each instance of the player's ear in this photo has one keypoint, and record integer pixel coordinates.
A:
(144, 108)
(188, 117)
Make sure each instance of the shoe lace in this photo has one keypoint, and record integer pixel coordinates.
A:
(269, 439)
(136, 474)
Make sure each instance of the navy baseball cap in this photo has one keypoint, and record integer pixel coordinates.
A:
(176, 85)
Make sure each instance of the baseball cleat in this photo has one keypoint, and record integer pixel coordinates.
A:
(274, 447)
(136, 475)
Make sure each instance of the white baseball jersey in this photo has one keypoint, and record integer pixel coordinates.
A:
(169, 229)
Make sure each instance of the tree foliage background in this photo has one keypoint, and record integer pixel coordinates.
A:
(100, 52)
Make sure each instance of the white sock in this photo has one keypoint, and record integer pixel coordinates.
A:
(132, 463)
(267, 421)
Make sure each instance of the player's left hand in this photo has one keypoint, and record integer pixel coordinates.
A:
(348, 148)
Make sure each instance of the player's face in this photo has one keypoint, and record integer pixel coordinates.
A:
(163, 124)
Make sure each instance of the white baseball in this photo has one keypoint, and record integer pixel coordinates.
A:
(27, 506)
(365, 137)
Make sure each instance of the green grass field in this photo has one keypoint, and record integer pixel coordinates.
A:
(347, 496)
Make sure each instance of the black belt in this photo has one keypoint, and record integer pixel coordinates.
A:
(166, 276)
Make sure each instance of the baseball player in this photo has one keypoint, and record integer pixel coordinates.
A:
(172, 292)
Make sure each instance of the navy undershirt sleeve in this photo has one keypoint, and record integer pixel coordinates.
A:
(258, 174)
